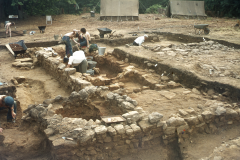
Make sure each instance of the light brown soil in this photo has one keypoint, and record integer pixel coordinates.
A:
(220, 28)
(202, 145)
(40, 85)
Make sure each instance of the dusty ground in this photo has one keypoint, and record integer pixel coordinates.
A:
(40, 85)
(202, 145)
(220, 28)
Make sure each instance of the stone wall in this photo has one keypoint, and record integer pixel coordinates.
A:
(68, 77)
(77, 138)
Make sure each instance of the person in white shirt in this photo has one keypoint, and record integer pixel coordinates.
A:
(78, 61)
(140, 40)
(8, 28)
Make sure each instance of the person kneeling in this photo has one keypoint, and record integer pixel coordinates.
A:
(78, 61)
(138, 41)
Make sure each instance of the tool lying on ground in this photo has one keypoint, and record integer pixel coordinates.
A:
(199, 28)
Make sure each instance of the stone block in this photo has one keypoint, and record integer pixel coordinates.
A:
(169, 130)
(87, 135)
(155, 117)
(192, 120)
(145, 125)
(24, 64)
(129, 132)
(220, 111)
(139, 109)
(70, 71)
(114, 87)
(159, 87)
(135, 128)
(207, 115)
(61, 66)
(175, 122)
(119, 128)
(133, 115)
(127, 105)
(182, 129)
(231, 114)
(182, 112)
(49, 132)
(101, 129)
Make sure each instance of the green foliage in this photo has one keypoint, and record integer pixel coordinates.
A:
(229, 8)
(42, 7)
(153, 9)
(144, 5)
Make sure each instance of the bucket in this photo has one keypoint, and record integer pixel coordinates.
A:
(24, 32)
(90, 71)
(89, 58)
(6, 23)
(92, 14)
(92, 64)
(56, 37)
(101, 50)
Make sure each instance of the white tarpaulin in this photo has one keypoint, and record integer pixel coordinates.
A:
(119, 8)
(187, 8)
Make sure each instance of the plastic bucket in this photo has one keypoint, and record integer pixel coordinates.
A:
(92, 14)
(89, 58)
(24, 32)
(101, 50)
(56, 37)
(90, 71)
(92, 64)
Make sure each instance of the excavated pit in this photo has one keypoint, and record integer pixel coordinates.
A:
(154, 88)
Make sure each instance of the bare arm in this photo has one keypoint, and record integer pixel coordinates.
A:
(12, 111)
(68, 66)
(75, 41)
(1, 129)
(88, 39)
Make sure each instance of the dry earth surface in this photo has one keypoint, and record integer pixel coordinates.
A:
(40, 86)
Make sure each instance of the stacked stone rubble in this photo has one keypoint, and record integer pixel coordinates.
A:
(68, 77)
(79, 138)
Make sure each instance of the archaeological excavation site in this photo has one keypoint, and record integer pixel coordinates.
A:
(176, 97)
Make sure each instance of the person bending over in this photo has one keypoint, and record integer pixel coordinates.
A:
(85, 38)
(66, 39)
(78, 61)
(138, 41)
(7, 102)
(8, 28)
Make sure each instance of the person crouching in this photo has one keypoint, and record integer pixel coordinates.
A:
(78, 61)
(138, 41)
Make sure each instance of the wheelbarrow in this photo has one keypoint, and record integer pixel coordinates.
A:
(15, 51)
(199, 28)
(42, 29)
(104, 31)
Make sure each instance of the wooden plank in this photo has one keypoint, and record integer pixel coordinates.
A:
(10, 49)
